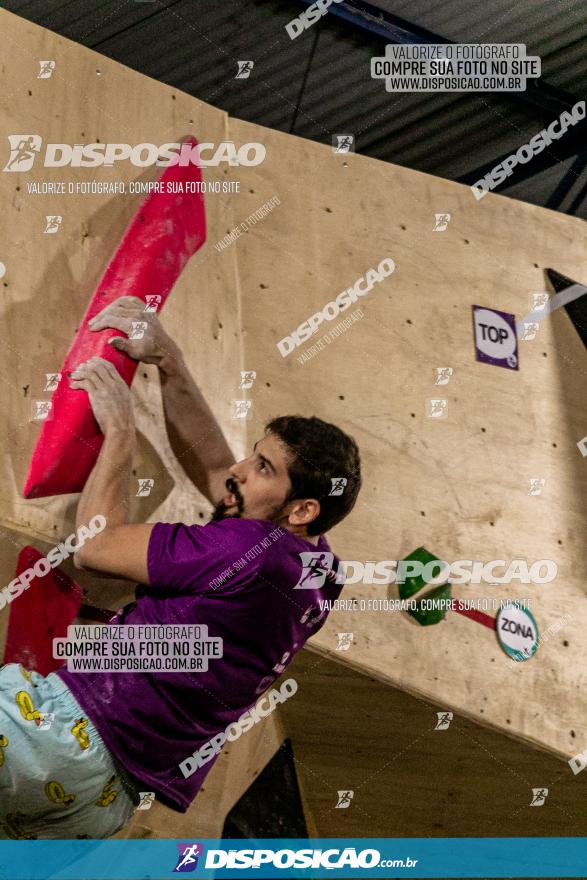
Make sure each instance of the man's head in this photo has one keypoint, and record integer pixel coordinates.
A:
(296, 477)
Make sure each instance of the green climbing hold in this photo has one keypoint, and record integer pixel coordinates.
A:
(414, 583)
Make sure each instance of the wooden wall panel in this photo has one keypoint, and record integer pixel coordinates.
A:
(48, 282)
(49, 278)
(458, 486)
(408, 779)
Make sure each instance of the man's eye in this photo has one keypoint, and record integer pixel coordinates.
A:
(262, 466)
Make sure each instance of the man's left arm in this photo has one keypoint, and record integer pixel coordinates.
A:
(119, 549)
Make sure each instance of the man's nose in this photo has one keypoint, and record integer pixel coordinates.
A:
(237, 471)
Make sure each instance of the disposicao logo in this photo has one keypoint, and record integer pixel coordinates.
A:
(332, 309)
(284, 858)
(526, 152)
(187, 860)
(25, 147)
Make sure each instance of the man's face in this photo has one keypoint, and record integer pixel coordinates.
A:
(258, 485)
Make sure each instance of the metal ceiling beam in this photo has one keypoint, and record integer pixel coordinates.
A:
(539, 95)
(391, 27)
(571, 144)
(394, 29)
(565, 185)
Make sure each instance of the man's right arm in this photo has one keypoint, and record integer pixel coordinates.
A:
(194, 434)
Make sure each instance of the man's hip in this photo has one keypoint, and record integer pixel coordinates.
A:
(57, 778)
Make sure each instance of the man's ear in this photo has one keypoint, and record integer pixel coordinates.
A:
(304, 512)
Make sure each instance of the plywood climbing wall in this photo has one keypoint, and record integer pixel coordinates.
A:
(47, 284)
(458, 486)
(410, 777)
(50, 277)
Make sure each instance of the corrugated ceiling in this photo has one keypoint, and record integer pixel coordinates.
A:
(319, 84)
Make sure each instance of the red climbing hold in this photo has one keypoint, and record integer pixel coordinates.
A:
(40, 614)
(165, 231)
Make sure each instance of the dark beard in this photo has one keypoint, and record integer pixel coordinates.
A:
(219, 513)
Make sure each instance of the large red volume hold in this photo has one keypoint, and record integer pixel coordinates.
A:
(163, 234)
(40, 614)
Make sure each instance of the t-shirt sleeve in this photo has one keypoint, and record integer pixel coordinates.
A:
(197, 559)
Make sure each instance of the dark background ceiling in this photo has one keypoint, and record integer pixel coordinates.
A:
(319, 84)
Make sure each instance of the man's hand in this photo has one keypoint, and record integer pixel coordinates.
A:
(127, 313)
(108, 392)
(194, 434)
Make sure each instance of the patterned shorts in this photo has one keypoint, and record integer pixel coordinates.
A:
(57, 778)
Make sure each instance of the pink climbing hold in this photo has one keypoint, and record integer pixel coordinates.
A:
(165, 231)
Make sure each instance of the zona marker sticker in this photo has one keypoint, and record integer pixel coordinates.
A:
(517, 632)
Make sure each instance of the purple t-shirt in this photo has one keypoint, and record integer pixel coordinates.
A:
(237, 577)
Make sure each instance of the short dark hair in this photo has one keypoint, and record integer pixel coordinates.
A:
(319, 452)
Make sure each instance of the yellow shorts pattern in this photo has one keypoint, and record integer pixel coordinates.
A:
(58, 780)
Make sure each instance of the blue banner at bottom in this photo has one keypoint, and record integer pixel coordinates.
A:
(326, 857)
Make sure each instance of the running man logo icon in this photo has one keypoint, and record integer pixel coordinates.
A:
(53, 380)
(345, 640)
(437, 408)
(137, 329)
(312, 616)
(147, 799)
(46, 720)
(530, 331)
(338, 484)
(441, 222)
(153, 302)
(315, 567)
(539, 796)
(443, 375)
(444, 719)
(53, 222)
(46, 69)
(242, 409)
(41, 410)
(343, 143)
(536, 485)
(244, 69)
(538, 300)
(247, 378)
(189, 853)
(145, 486)
(23, 149)
(344, 800)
